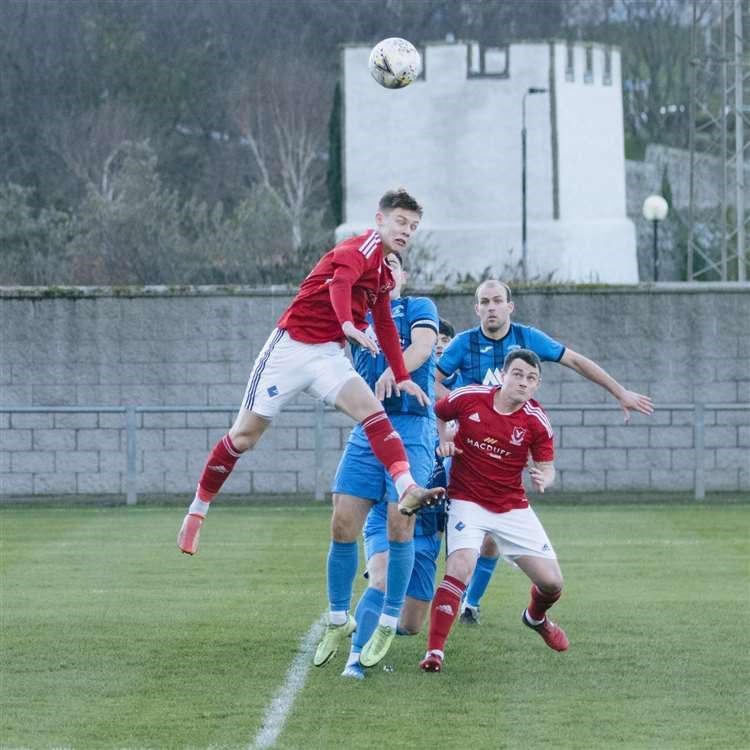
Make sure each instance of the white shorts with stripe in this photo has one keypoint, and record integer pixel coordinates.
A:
(517, 532)
(286, 367)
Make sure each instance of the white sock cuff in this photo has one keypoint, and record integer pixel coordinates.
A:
(531, 620)
(403, 482)
(199, 507)
(337, 617)
(388, 620)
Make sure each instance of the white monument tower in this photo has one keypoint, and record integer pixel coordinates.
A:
(453, 139)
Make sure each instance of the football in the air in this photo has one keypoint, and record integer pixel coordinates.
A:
(395, 63)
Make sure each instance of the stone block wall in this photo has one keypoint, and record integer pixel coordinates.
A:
(91, 353)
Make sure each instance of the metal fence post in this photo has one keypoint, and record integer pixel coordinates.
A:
(130, 475)
(699, 433)
(319, 448)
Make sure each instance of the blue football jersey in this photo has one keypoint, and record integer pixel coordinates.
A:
(408, 313)
(453, 381)
(479, 359)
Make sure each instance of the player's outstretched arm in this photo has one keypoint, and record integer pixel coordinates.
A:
(636, 401)
(596, 374)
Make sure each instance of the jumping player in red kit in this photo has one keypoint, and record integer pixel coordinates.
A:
(498, 429)
(305, 352)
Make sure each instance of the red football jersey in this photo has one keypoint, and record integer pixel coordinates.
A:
(358, 263)
(344, 284)
(495, 447)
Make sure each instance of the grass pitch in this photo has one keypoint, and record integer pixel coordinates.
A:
(112, 639)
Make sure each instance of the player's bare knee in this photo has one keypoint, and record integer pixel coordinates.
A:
(460, 566)
(247, 430)
(242, 441)
(400, 535)
(400, 527)
(357, 400)
(551, 584)
(344, 528)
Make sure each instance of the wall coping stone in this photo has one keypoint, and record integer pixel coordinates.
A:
(282, 290)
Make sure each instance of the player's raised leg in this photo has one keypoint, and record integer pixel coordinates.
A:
(247, 429)
(358, 401)
(278, 374)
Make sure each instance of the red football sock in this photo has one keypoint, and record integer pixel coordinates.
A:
(218, 467)
(443, 611)
(386, 443)
(541, 602)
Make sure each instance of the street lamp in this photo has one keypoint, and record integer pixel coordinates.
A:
(524, 250)
(655, 209)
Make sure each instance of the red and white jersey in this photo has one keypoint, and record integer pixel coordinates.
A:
(495, 447)
(345, 283)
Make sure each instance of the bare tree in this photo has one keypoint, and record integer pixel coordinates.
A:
(281, 121)
(91, 143)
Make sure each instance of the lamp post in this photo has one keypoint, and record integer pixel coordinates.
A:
(655, 209)
(524, 250)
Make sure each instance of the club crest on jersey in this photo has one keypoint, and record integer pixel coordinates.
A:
(517, 436)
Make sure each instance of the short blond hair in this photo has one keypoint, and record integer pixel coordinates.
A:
(508, 293)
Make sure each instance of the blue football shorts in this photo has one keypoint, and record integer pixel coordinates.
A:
(426, 551)
(361, 474)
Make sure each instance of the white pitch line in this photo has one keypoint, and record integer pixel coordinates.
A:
(281, 705)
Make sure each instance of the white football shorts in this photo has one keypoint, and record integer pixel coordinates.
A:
(517, 532)
(286, 367)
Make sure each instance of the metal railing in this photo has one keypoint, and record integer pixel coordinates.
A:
(319, 410)
(131, 429)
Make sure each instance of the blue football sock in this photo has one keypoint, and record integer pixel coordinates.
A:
(400, 565)
(480, 580)
(343, 558)
(368, 611)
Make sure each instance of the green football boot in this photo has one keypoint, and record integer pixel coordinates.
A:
(332, 639)
(377, 647)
